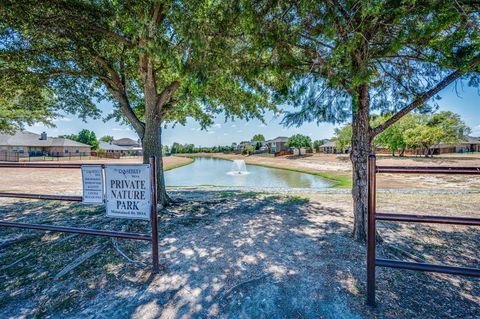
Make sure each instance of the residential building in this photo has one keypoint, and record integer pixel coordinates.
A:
(30, 144)
(110, 148)
(134, 147)
(277, 144)
(328, 147)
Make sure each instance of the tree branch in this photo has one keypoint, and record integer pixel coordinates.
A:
(166, 95)
(425, 96)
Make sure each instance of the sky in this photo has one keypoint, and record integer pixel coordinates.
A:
(464, 101)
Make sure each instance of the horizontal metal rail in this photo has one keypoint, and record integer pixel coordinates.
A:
(428, 170)
(76, 230)
(463, 271)
(428, 219)
(373, 217)
(45, 165)
(43, 196)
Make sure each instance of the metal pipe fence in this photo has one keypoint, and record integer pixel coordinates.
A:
(153, 237)
(373, 216)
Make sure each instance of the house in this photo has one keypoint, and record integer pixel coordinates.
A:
(26, 143)
(110, 148)
(133, 147)
(329, 147)
(468, 144)
(277, 144)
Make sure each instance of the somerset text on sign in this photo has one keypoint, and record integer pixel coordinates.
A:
(128, 191)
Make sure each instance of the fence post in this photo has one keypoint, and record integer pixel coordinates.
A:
(371, 231)
(153, 215)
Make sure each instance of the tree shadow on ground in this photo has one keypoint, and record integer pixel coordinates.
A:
(237, 255)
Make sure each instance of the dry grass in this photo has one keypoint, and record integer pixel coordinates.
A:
(229, 254)
(67, 181)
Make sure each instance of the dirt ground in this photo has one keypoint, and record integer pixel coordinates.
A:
(66, 181)
(341, 165)
(238, 255)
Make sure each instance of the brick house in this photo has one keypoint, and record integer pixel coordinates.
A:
(26, 143)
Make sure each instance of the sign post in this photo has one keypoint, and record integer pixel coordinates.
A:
(92, 180)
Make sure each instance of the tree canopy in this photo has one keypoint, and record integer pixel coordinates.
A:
(258, 138)
(343, 137)
(352, 58)
(157, 62)
(106, 138)
(298, 141)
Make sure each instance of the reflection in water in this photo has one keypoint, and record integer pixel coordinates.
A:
(212, 171)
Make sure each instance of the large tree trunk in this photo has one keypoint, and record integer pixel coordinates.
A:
(361, 148)
(152, 146)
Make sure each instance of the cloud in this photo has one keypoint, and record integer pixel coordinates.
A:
(233, 125)
(120, 129)
(263, 125)
(217, 125)
(211, 132)
(239, 131)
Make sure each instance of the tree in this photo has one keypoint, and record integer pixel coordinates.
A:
(88, 137)
(24, 102)
(343, 138)
(393, 138)
(158, 62)
(258, 138)
(106, 138)
(317, 144)
(299, 141)
(249, 149)
(352, 57)
(431, 130)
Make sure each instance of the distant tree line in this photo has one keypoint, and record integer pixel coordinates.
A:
(178, 148)
(413, 131)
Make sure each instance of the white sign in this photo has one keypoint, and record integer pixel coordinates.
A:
(92, 180)
(128, 191)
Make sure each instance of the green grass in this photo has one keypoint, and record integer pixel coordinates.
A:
(339, 181)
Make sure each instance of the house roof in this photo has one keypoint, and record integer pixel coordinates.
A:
(329, 144)
(126, 142)
(471, 140)
(25, 138)
(279, 139)
(111, 147)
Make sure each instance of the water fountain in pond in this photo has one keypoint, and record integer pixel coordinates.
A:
(238, 168)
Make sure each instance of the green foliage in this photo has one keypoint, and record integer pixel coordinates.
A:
(178, 148)
(106, 138)
(318, 143)
(249, 149)
(87, 137)
(431, 130)
(298, 141)
(182, 59)
(395, 50)
(393, 138)
(258, 138)
(24, 102)
(343, 137)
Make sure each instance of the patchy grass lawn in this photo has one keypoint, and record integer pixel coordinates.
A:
(227, 254)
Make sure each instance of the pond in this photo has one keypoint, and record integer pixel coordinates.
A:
(219, 172)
